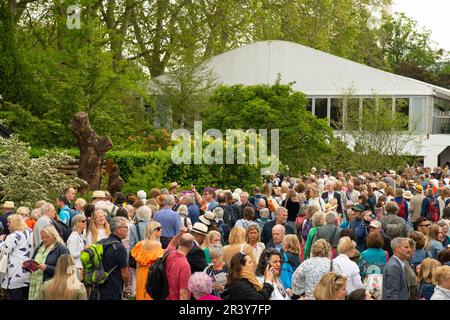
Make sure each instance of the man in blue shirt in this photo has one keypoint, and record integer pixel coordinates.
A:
(169, 220)
(64, 212)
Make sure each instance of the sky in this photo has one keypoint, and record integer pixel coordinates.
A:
(434, 15)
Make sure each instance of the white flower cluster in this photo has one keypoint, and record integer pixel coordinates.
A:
(25, 180)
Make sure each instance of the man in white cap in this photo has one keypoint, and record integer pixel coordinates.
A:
(8, 209)
(196, 255)
(375, 226)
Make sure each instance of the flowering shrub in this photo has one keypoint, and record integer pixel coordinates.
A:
(25, 180)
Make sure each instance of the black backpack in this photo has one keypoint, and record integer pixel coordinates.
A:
(157, 285)
(63, 229)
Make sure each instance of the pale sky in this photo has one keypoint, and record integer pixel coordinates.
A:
(434, 15)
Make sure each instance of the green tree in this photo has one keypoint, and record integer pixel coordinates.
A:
(408, 50)
(184, 93)
(303, 137)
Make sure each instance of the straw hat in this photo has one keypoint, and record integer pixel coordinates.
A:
(407, 194)
(8, 205)
(174, 184)
(200, 228)
(99, 194)
(418, 188)
(208, 218)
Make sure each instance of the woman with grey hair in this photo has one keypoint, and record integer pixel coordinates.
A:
(143, 216)
(185, 220)
(222, 227)
(217, 270)
(76, 243)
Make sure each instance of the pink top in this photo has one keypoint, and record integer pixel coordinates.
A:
(178, 272)
(209, 297)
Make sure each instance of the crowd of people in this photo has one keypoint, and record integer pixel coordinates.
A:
(363, 236)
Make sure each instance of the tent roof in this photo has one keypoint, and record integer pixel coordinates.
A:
(314, 72)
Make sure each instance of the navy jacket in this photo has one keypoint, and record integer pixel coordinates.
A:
(52, 258)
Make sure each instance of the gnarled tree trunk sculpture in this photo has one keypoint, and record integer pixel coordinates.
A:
(92, 150)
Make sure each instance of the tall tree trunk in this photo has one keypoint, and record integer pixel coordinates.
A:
(92, 150)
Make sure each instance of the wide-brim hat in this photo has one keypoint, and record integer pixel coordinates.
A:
(99, 194)
(330, 206)
(392, 172)
(407, 194)
(8, 205)
(173, 185)
(200, 228)
(411, 182)
(418, 188)
(208, 218)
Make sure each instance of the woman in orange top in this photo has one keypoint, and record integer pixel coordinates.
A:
(145, 252)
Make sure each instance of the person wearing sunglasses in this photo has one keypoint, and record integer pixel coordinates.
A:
(76, 243)
(332, 286)
(423, 224)
(146, 252)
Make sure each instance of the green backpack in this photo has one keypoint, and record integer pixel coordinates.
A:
(91, 258)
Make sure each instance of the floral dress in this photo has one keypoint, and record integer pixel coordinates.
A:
(144, 259)
(19, 248)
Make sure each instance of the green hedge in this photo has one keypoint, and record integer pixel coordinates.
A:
(146, 170)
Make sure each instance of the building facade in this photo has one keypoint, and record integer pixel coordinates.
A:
(333, 85)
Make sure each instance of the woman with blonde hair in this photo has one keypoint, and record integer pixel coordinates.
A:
(253, 237)
(65, 284)
(442, 289)
(237, 244)
(427, 281)
(433, 241)
(25, 213)
(316, 199)
(80, 204)
(98, 228)
(213, 238)
(332, 286)
(146, 252)
(346, 249)
(291, 255)
(45, 258)
(17, 246)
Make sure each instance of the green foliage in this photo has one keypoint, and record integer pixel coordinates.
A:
(303, 137)
(145, 170)
(26, 180)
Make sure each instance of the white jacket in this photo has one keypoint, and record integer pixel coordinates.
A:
(440, 294)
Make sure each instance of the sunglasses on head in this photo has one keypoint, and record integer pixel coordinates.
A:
(337, 276)
(158, 228)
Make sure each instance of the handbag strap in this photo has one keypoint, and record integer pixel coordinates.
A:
(331, 265)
